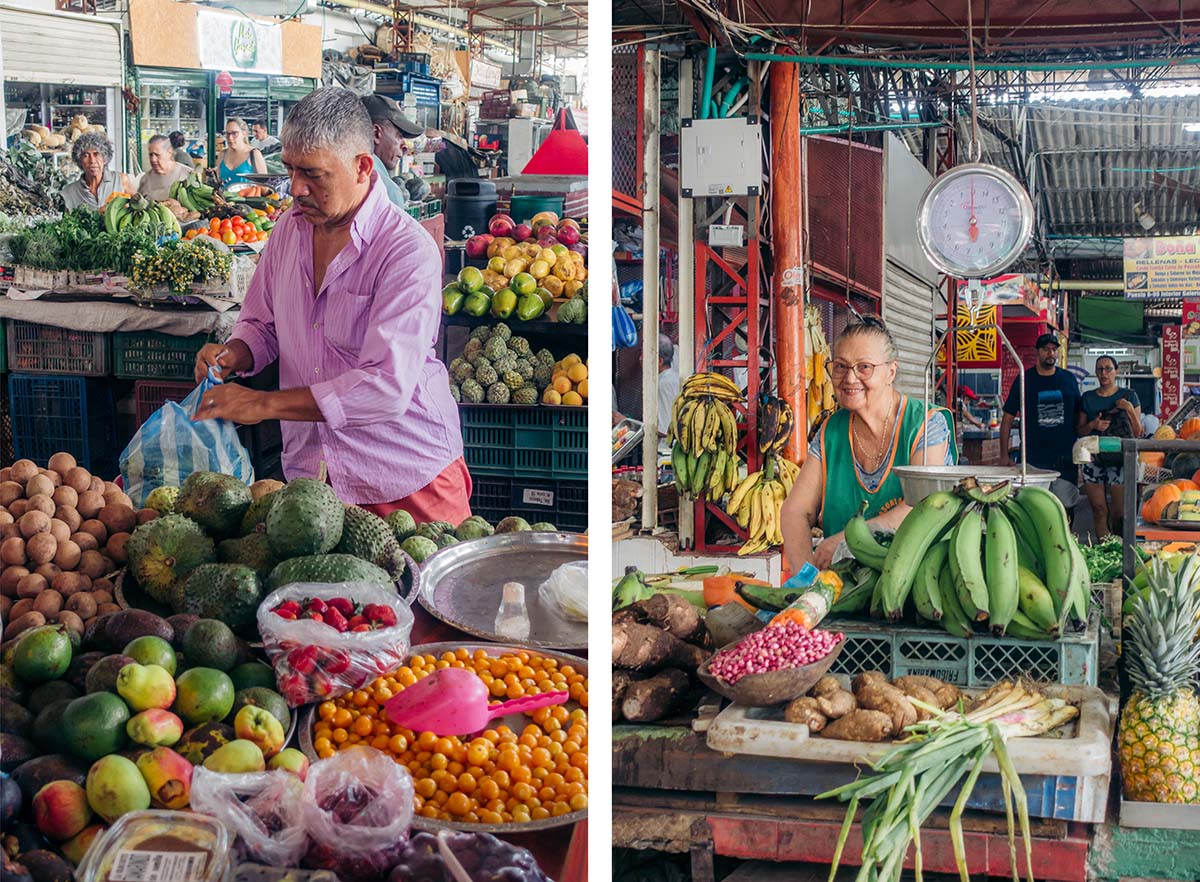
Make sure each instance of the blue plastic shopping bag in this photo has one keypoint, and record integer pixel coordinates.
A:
(169, 447)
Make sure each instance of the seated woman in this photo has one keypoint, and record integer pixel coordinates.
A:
(852, 458)
(92, 153)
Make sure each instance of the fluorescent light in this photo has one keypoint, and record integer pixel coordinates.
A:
(1191, 127)
(539, 2)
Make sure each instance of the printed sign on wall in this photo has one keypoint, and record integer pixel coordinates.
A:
(1172, 370)
(237, 43)
(1162, 266)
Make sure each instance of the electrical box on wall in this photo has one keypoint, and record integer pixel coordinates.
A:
(720, 157)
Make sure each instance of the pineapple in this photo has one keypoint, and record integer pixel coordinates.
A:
(1159, 734)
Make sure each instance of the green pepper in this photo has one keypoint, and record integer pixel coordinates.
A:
(452, 299)
(477, 304)
(530, 307)
(504, 303)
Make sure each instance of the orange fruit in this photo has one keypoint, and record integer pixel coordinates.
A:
(582, 388)
(561, 385)
(571, 359)
(572, 399)
(551, 396)
(577, 372)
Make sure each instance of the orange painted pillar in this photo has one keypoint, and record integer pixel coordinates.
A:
(787, 237)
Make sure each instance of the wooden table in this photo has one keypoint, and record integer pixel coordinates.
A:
(672, 793)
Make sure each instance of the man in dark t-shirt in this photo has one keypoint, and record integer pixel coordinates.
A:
(1048, 415)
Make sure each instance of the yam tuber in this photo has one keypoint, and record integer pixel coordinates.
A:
(874, 693)
(837, 704)
(621, 680)
(860, 725)
(674, 615)
(656, 697)
(947, 693)
(805, 710)
(920, 693)
(646, 649)
(827, 685)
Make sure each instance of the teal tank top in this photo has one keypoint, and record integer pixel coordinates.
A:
(234, 175)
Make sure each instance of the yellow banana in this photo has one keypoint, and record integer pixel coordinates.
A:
(741, 493)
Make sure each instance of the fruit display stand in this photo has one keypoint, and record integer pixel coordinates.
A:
(1136, 530)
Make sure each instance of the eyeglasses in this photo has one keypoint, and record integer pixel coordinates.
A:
(234, 132)
(1105, 369)
(863, 370)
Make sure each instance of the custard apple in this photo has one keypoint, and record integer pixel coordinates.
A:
(472, 392)
(519, 345)
(502, 331)
(498, 393)
(481, 334)
(482, 361)
(474, 344)
(454, 365)
(464, 372)
(542, 375)
(455, 393)
(524, 368)
(485, 374)
(546, 357)
(512, 380)
(495, 349)
(473, 358)
(525, 395)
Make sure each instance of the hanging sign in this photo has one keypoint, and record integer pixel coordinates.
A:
(974, 349)
(1172, 370)
(234, 42)
(224, 83)
(1191, 318)
(1162, 266)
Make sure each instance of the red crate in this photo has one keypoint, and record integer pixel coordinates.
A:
(150, 395)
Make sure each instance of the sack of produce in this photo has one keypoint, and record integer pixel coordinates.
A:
(169, 447)
(565, 592)
(261, 810)
(357, 807)
(482, 857)
(325, 640)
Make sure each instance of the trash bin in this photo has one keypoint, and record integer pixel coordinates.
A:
(469, 206)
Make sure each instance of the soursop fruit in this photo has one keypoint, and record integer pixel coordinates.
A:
(229, 593)
(501, 330)
(513, 380)
(327, 568)
(481, 334)
(472, 392)
(525, 395)
(498, 393)
(366, 535)
(524, 368)
(162, 499)
(495, 349)
(455, 364)
(455, 392)
(463, 373)
(255, 519)
(546, 357)
(163, 552)
(542, 375)
(513, 524)
(519, 345)
(402, 523)
(251, 550)
(485, 375)
(215, 501)
(307, 518)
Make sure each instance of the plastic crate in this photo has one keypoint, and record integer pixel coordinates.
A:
(413, 211)
(562, 503)
(150, 395)
(430, 207)
(153, 356)
(413, 62)
(64, 413)
(977, 661)
(531, 442)
(47, 349)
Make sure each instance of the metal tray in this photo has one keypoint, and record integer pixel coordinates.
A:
(516, 722)
(919, 481)
(633, 439)
(461, 585)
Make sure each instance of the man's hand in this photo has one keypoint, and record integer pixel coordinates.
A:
(228, 359)
(823, 553)
(232, 402)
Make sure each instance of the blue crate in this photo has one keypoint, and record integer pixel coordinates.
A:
(64, 413)
(562, 503)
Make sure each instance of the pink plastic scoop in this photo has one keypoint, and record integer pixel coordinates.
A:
(454, 701)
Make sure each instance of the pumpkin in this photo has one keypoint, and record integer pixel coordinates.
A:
(1152, 507)
(1164, 433)
(718, 591)
(1185, 464)
(1185, 484)
(1157, 459)
(1190, 428)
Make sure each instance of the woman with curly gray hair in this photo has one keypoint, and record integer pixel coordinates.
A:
(92, 153)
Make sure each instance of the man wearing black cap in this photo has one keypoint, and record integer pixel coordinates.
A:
(391, 128)
(1049, 414)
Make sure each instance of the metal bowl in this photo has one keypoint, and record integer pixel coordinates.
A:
(919, 481)
(515, 722)
(773, 687)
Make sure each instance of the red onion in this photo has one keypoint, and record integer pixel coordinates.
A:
(786, 645)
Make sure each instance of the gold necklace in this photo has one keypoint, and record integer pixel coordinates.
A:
(885, 439)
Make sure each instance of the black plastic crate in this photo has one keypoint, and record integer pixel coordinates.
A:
(64, 413)
(562, 503)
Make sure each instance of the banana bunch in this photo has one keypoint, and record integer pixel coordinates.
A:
(123, 212)
(193, 195)
(757, 500)
(775, 422)
(980, 556)
(705, 435)
(817, 354)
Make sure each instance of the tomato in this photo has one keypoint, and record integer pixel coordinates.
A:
(190, 234)
(249, 235)
(229, 238)
(226, 225)
(215, 223)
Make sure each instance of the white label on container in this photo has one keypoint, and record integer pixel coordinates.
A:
(158, 866)
(538, 497)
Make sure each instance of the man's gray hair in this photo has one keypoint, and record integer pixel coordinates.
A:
(332, 119)
(158, 139)
(91, 141)
(666, 349)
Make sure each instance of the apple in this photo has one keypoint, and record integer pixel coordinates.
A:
(291, 760)
(523, 232)
(477, 246)
(501, 225)
(568, 235)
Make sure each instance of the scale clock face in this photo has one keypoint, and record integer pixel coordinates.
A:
(974, 221)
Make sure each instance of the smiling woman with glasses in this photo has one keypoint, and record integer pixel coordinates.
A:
(851, 460)
(239, 157)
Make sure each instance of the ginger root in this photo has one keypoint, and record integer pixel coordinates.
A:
(805, 710)
(860, 725)
(874, 693)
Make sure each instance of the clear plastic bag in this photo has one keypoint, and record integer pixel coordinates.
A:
(314, 661)
(263, 810)
(565, 592)
(358, 805)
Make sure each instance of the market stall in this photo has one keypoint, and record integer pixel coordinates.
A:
(797, 680)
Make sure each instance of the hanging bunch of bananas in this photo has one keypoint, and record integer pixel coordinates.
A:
(705, 435)
(756, 502)
(193, 195)
(817, 354)
(123, 212)
(979, 555)
(775, 421)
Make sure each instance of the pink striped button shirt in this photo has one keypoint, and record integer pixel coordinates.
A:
(365, 348)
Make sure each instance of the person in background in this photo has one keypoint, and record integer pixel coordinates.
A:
(262, 139)
(1049, 418)
(92, 153)
(239, 157)
(851, 460)
(179, 146)
(164, 170)
(1098, 409)
(668, 382)
(347, 299)
(967, 394)
(390, 127)
(452, 156)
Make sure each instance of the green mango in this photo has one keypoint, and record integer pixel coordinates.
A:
(547, 297)
(477, 304)
(530, 307)
(452, 299)
(504, 303)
